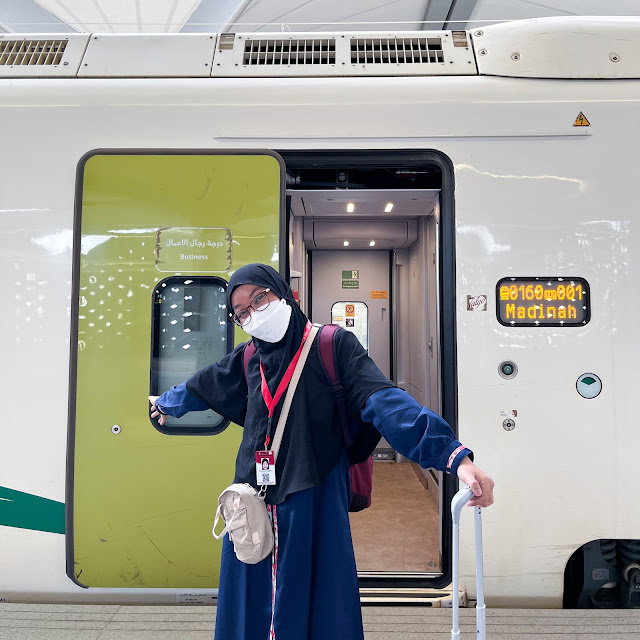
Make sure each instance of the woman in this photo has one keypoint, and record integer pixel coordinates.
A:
(308, 588)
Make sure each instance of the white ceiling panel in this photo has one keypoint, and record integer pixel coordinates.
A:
(407, 203)
(123, 16)
(489, 11)
(386, 234)
(26, 16)
(332, 15)
(212, 16)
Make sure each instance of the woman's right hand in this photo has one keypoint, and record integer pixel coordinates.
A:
(154, 410)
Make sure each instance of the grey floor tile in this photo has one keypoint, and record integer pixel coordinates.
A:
(161, 626)
(156, 635)
(49, 634)
(166, 617)
(51, 624)
(34, 614)
(183, 610)
(471, 635)
(60, 608)
(114, 622)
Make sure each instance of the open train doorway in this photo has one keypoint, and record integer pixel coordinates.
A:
(371, 249)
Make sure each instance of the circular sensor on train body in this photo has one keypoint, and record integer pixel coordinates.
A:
(589, 385)
(508, 369)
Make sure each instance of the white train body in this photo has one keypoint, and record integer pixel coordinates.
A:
(534, 196)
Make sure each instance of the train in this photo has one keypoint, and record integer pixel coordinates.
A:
(462, 200)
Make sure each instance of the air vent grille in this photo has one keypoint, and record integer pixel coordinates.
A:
(290, 52)
(31, 52)
(396, 50)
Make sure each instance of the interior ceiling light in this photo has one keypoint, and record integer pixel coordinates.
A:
(372, 243)
(351, 207)
(346, 243)
(388, 208)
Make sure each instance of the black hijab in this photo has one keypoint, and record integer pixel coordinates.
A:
(313, 441)
(276, 356)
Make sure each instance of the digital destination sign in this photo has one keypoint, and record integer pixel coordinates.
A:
(543, 302)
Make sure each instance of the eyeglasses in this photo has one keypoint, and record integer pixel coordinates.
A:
(259, 303)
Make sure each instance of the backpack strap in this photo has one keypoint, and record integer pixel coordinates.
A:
(249, 350)
(327, 353)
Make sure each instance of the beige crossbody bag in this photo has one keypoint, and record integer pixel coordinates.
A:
(242, 507)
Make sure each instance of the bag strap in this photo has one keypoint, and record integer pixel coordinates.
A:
(297, 372)
(217, 536)
(249, 350)
(327, 352)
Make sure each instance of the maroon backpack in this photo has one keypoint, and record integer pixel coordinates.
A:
(361, 472)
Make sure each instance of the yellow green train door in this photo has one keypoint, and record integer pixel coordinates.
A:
(157, 236)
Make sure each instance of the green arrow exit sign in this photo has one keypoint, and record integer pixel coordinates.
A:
(349, 275)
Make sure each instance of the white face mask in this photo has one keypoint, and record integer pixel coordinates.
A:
(271, 324)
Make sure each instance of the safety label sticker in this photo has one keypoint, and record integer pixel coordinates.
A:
(581, 121)
(188, 597)
(476, 303)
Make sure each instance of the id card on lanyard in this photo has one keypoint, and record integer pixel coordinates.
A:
(265, 468)
(265, 460)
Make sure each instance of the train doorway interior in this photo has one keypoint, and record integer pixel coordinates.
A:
(365, 236)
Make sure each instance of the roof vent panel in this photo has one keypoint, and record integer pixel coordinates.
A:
(38, 52)
(432, 53)
(47, 56)
(289, 52)
(396, 50)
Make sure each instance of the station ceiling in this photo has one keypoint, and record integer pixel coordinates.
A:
(192, 16)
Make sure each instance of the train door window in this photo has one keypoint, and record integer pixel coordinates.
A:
(190, 331)
(354, 317)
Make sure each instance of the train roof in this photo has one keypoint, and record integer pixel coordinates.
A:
(559, 47)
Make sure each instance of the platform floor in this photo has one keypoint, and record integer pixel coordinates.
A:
(114, 622)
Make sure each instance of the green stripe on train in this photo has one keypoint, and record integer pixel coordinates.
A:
(26, 511)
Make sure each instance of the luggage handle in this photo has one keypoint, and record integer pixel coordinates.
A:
(459, 500)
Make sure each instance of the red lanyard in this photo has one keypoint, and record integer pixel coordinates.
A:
(272, 403)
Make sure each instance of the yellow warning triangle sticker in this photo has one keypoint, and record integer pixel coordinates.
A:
(581, 121)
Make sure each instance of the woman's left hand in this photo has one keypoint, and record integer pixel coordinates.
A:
(155, 413)
(478, 481)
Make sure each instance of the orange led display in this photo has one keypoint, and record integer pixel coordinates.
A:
(533, 302)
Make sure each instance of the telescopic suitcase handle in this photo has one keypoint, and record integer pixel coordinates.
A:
(459, 500)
